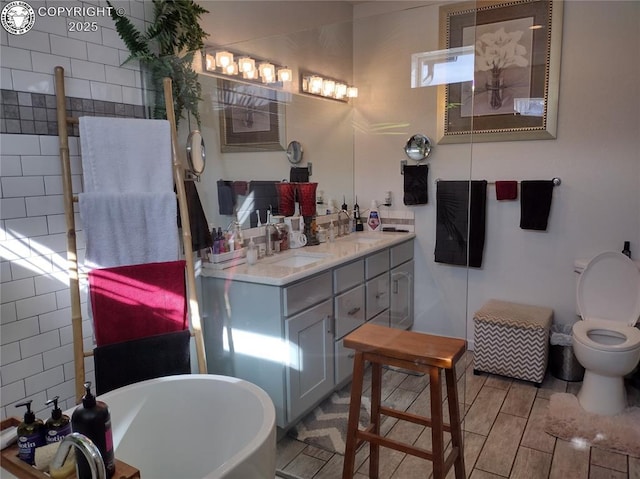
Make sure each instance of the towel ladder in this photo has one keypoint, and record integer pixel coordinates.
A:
(69, 199)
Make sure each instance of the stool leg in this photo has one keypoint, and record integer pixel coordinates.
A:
(376, 393)
(354, 416)
(454, 421)
(437, 431)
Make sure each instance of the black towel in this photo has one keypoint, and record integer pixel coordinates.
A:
(535, 204)
(225, 197)
(265, 197)
(299, 174)
(121, 364)
(200, 234)
(415, 184)
(453, 222)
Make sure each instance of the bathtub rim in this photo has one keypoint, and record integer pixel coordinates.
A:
(267, 428)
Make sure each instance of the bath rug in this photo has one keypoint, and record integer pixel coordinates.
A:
(326, 426)
(567, 420)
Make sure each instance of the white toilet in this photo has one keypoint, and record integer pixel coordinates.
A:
(606, 341)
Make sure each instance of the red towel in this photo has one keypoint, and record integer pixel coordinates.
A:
(506, 190)
(137, 301)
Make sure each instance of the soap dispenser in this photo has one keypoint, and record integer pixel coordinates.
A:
(92, 419)
(30, 434)
(58, 425)
(252, 252)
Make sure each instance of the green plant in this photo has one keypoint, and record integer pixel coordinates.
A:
(167, 48)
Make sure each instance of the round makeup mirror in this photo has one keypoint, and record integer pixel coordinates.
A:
(418, 147)
(294, 152)
(196, 155)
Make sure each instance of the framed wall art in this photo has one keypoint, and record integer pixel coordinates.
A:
(514, 94)
(251, 118)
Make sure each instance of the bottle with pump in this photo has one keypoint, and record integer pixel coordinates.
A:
(252, 252)
(30, 434)
(626, 249)
(58, 425)
(373, 221)
(92, 419)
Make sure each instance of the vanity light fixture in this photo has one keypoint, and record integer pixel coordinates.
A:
(220, 61)
(314, 84)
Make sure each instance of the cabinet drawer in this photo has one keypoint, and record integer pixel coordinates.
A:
(344, 362)
(349, 311)
(401, 253)
(348, 276)
(377, 293)
(377, 264)
(306, 293)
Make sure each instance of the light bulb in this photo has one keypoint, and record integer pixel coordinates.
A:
(231, 69)
(210, 62)
(328, 87)
(352, 92)
(315, 85)
(285, 74)
(246, 64)
(223, 59)
(341, 91)
(267, 72)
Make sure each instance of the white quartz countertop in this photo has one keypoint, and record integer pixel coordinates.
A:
(296, 264)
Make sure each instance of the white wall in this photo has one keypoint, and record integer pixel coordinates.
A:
(35, 328)
(596, 154)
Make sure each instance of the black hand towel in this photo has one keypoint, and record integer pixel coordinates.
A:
(200, 234)
(128, 362)
(265, 197)
(415, 184)
(535, 204)
(225, 197)
(456, 230)
(299, 174)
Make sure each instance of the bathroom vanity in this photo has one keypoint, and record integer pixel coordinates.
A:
(280, 322)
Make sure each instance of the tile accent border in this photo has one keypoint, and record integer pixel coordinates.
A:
(35, 113)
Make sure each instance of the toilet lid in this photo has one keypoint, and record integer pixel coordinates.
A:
(609, 289)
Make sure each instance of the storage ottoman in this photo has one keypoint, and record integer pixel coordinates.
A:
(512, 340)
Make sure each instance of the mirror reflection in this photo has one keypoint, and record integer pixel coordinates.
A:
(418, 147)
(242, 180)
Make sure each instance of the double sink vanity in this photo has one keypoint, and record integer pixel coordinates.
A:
(280, 323)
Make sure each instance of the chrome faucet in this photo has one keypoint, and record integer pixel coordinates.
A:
(343, 229)
(87, 447)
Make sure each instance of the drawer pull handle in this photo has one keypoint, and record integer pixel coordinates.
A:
(353, 311)
(351, 355)
(380, 294)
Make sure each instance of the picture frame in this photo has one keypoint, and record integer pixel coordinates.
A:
(516, 88)
(251, 118)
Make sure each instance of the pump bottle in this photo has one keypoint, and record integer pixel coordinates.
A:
(58, 425)
(92, 419)
(30, 434)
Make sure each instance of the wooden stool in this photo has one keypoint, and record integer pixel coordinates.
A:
(414, 351)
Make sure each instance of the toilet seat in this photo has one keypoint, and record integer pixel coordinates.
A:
(609, 291)
(629, 335)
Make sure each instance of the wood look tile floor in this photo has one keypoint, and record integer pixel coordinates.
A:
(503, 431)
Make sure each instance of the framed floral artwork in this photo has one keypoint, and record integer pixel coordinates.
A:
(251, 118)
(514, 92)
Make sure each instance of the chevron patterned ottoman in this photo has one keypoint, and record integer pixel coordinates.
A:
(512, 340)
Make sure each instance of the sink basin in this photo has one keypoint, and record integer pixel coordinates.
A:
(297, 260)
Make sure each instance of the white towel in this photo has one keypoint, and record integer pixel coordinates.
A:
(132, 228)
(125, 155)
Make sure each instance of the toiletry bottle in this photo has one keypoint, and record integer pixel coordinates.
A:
(252, 252)
(626, 250)
(356, 217)
(373, 221)
(92, 419)
(58, 425)
(332, 232)
(30, 434)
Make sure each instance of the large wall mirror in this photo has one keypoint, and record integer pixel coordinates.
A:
(246, 145)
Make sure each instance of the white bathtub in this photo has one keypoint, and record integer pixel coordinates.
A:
(194, 426)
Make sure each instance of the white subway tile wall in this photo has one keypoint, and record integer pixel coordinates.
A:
(35, 317)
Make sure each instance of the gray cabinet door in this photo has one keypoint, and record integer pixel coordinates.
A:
(310, 372)
(401, 301)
